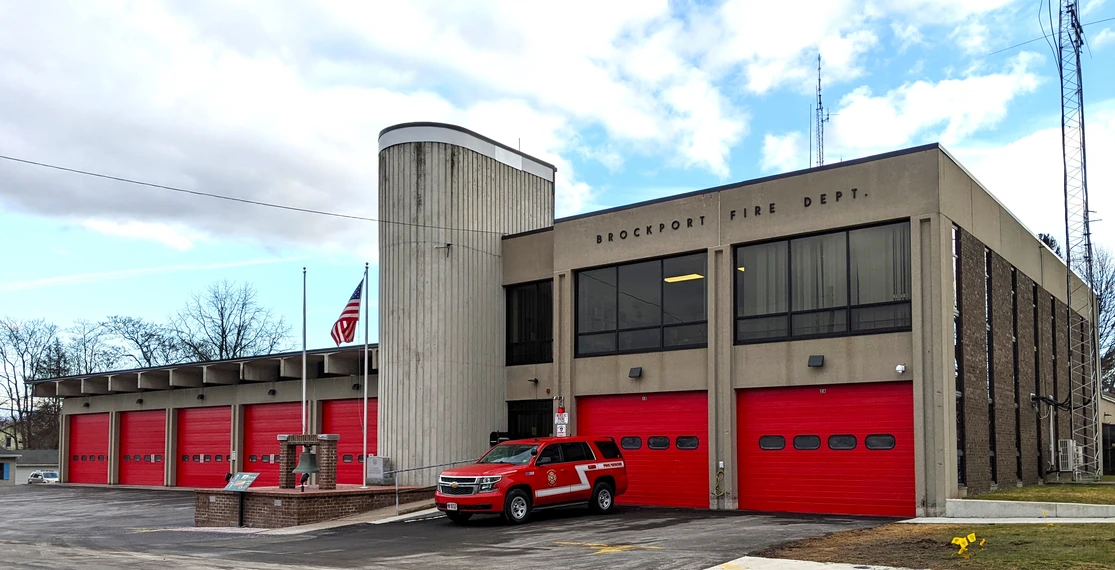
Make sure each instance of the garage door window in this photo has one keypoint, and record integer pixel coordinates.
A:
(772, 442)
(842, 442)
(879, 441)
(807, 442)
(658, 442)
(687, 442)
(631, 442)
(127, 458)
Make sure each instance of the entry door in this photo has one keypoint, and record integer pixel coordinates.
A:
(530, 418)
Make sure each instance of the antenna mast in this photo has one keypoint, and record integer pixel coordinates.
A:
(822, 118)
(1084, 371)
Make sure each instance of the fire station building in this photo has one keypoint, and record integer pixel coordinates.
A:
(866, 337)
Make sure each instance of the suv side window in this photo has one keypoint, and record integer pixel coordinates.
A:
(576, 451)
(549, 455)
(608, 449)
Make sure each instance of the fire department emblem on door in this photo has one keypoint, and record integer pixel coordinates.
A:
(551, 476)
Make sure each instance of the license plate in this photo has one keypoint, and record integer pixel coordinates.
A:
(451, 506)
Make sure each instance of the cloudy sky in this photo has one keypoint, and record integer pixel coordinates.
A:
(631, 100)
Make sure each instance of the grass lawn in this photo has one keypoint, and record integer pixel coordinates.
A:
(1010, 546)
(1055, 493)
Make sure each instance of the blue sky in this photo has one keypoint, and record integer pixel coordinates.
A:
(283, 103)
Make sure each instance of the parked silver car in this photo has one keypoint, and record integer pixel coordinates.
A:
(42, 477)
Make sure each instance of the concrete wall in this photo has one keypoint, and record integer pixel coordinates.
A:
(528, 257)
(442, 312)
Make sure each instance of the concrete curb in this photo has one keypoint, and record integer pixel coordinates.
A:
(756, 563)
(976, 508)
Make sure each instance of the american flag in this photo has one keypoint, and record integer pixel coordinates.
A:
(345, 328)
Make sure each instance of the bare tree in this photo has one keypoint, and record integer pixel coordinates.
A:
(1051, 241)
(226, 321)
(90, 348)
(24, 346)
(144, 343)
(1103, 283)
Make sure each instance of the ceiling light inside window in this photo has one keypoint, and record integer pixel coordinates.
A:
(740, 268)
(688, 277)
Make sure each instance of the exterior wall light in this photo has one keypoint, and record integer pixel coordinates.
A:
(201, 396)
(356, 386)
(139, 400)
(532, 380)
(271, 392)
(816, 360)
(636, 372)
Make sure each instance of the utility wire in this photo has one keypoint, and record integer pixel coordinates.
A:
(242, 200)
(1044, 37)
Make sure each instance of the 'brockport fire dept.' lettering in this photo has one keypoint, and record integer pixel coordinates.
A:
(651, 229)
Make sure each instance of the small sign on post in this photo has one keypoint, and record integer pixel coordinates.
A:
(561, 423)
(241, 481)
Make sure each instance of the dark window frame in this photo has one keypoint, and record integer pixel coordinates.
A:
(540, 351)
(658, 438)
(848, 309)
(867, 441)
(695, 439)
(855, 442)
(662, 325)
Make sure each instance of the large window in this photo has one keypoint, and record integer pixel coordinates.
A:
(530, 323)
(643, 306)
(848, 282)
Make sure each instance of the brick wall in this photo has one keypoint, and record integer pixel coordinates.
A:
(1002, 338)
(1024, 293)
(973, 337)
(217, 508)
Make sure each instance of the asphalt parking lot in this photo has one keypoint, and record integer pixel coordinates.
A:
(61, 526)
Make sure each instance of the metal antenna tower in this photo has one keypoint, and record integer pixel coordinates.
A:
(1084, 371)
(822, 118)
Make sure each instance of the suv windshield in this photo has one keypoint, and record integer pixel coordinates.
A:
(513, 453)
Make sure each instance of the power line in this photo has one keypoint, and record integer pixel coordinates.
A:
(1044, 37)
(241, 200)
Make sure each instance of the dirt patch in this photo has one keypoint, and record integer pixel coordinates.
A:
(1017, 547)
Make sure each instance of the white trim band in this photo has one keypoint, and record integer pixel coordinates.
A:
(430, 133)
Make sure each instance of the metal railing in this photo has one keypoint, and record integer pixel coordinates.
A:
(394, 472)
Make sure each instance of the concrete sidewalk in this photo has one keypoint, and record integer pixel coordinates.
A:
(1016, 520)
(756, 563)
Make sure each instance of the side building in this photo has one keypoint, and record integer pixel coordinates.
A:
(868, 337)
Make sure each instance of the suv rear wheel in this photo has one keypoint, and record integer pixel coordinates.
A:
(516, 507)
(603, 498)
(459, 518)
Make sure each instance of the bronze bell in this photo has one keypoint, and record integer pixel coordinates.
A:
(307, 463)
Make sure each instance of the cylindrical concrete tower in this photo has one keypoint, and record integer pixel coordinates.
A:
(446, 197)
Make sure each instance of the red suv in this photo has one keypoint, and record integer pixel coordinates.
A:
(520, 476)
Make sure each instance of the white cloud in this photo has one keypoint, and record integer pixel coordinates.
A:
(1104, 38)
(786, 152)
(175, 237)
(907, 35)
(97, 277)
(949, 110)
(1034, 193)
(1092, 6)
(972, 37)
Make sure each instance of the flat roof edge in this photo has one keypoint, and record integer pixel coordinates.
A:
(429, 131)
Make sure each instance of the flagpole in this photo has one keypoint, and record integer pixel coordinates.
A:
(364, 478)
(304, 351)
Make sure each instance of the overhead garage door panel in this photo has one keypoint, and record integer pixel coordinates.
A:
(345, 418)
(667, 476)
(203, 446)
(142, 444)
(262, 425)
(88, 438)
(870, 478)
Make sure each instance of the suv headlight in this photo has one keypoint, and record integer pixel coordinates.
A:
(488, 484)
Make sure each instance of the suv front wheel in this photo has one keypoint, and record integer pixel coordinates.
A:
(516, 507)
(603, 498)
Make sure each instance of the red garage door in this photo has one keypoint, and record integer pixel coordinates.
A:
(262, 424)
(664, 441)
(345, 418)
(142, 444)
(842, 449)
(88, 437)
(203, 444)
